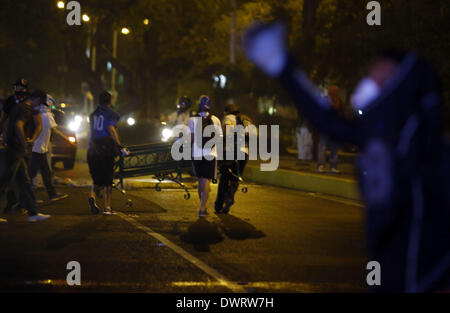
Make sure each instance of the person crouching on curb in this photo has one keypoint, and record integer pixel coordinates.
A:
(104, 145)
(204, 158)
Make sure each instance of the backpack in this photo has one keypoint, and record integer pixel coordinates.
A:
(206, 121)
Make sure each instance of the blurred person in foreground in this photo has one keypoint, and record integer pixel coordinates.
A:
(104, 146)
(204, 158)
(401, 168)
(39, 156)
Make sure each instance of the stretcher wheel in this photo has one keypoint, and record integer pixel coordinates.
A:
(187, 196)
(129, 203)
(244, 190)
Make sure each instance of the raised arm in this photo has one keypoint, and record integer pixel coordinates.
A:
(265, 47)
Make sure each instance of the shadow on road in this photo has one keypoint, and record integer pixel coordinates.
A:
(237, 229)
(201, 234)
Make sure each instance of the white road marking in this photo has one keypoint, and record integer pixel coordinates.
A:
(222, 280)
(280, 286)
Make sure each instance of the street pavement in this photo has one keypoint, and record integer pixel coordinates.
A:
(273, 240)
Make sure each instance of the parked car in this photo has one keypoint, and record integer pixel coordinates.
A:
(63, 151)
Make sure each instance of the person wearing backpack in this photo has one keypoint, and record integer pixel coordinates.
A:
(231, 170)
(204, 160)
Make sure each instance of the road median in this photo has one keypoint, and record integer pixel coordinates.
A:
(310, 182)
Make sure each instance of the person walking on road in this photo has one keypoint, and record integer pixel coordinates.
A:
(231, 170)
(16, 172)
(21, 93)
(39, 155)
(104, 145)
(204, 159)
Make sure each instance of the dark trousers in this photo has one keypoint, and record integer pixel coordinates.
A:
(15, 175)
(229, 182)
(39, 162)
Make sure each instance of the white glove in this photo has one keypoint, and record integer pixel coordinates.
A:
(125, 152)
(265, 45)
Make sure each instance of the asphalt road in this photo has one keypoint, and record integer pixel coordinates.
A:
(273, 240)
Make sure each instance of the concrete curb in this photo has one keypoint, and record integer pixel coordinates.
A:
(335, 186)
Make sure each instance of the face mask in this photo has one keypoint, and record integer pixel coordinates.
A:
(21, 95)
(366, 91)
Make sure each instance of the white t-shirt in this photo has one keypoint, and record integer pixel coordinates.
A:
(42, 142)
(231, 120)
(197, 151)
(179, 119)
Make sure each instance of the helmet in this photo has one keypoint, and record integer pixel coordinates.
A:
(21, 82)
(204, 103)
(231, 108)
(50, 101)
(184, 103)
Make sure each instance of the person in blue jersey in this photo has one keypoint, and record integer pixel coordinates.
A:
(104, 145)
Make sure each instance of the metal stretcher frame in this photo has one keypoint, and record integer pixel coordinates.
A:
(152, 159)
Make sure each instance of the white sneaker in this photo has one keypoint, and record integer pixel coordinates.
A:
(38, 217)
(2, 220)
(321, 169)
(335, 170)
(107, 211)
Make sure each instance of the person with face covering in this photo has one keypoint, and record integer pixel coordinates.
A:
(16, 172)
(402, 173)
(21, 93)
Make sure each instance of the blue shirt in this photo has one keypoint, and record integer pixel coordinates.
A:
(100, 121)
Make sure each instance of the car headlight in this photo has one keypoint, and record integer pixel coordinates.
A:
(74, 126)
(131, 121)
(166, 134)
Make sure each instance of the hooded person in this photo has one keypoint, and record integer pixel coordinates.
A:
(401, 170)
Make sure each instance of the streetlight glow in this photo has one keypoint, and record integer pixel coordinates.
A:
(125, 31)
(146, 21)
(60, 5)
(85, 18)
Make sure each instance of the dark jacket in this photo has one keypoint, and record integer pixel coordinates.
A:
(400, 171)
